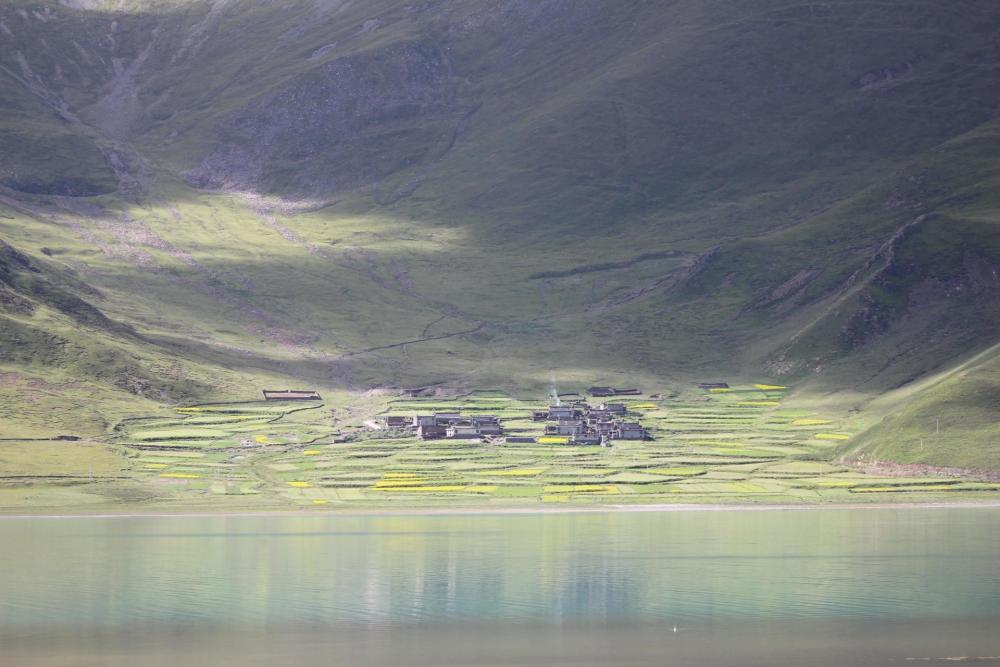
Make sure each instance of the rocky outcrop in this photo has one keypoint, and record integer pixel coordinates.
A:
(344, 124)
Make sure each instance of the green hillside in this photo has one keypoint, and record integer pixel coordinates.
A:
(946, 419)
(199, 199)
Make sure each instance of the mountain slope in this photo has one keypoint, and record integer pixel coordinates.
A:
(946, 419)
(387, 194)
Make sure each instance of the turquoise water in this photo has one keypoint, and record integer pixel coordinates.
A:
(823, 587)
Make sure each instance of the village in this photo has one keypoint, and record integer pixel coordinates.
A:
(576, 422)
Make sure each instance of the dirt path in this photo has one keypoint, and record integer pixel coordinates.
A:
(412, 342)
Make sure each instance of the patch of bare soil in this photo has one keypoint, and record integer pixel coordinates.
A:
(889, 469)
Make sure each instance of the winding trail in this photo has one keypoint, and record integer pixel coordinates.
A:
(413, 341)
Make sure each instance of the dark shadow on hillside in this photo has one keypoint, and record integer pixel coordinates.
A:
(640, 109)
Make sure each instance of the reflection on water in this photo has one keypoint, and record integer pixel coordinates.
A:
(830, 587)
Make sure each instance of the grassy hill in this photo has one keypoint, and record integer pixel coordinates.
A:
(946, 419)
(201, 198)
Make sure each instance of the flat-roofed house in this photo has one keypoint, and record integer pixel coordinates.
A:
(614, 408)
(463, 432)
(570, 427)
(424, 420)
(563, 412)
(393, 421)
(489, 429)
(539, 415)
(601, 391)
(605, 428)
(631, 431)
(446, 418)
(713, 385)
(432, 432)
(595, 416)
(520, 439)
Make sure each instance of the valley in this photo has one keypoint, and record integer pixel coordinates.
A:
(398, 196)
(507, 332)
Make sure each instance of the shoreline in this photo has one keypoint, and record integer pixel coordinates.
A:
(512, 510)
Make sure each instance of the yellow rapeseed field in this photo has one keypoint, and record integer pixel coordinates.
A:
(393, 483)
(300, 485)
(832, 436)
(581, 488)
(811, 422)
(516, 472)
(441, 489)
(553, 440)
(180, 475)
(770, 387)
(675, 472)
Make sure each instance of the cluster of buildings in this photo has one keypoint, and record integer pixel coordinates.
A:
(580, 422)
(449, 426)
(587, 425)
(577, 421)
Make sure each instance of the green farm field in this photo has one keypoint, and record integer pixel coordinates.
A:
(744, 445)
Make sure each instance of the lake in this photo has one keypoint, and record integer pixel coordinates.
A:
(716, 588)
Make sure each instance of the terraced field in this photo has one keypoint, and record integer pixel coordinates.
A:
(213, 449)
(743, 444)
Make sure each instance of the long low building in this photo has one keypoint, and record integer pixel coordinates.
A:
(291, 395)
